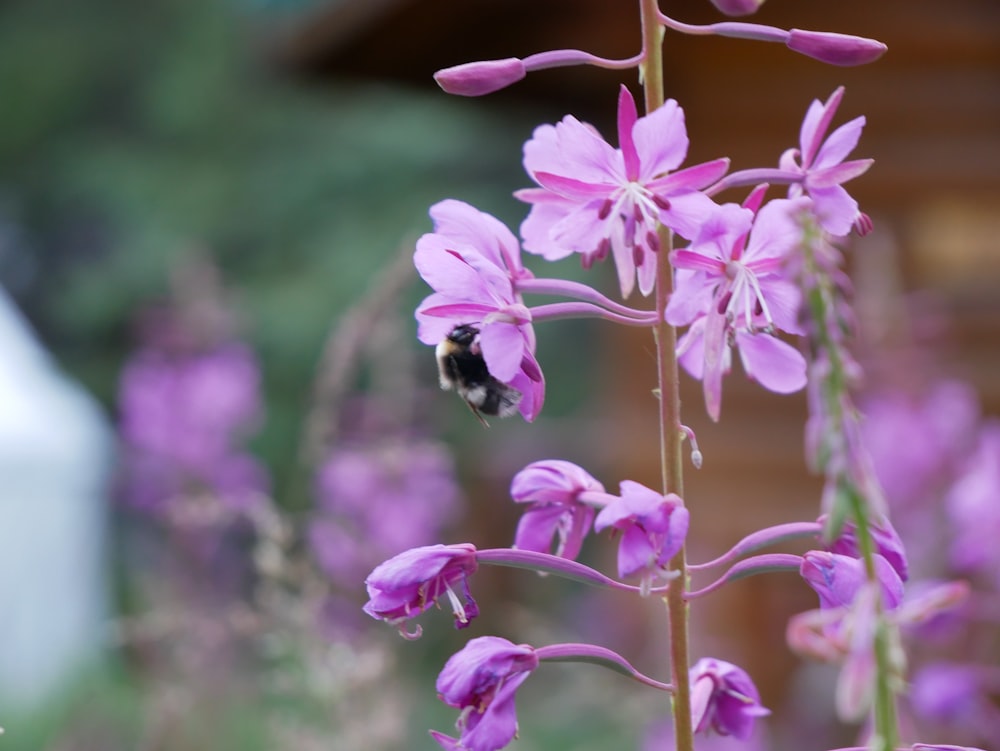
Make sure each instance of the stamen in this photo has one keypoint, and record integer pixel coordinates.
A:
(724, 303)
(605, 210)
(662, 202)
(456, 605)
(653, 242)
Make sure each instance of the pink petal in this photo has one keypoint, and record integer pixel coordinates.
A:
(839, 173)
(627, 116)
(835, 209)
(784, 300)
(536, 229)
(775, 364)
(775, 231)
(661, 140)
(635, 552)
(432, 329)
(685, 259)
(840, 143)
(503, 347)
(815, 125)
(573, 148)
(687, 213)
(691, 350)
(690, 178)
(716, 362)
(445, 271)
(572, 188)
(692, 297)
(466, 225)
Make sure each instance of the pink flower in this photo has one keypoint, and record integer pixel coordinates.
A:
(653, 529)
(820, 162)
(724, 699)
(481, 680)
(595, 199)
(472, 260)
(406, 585)
(553, 489)
(732, 284)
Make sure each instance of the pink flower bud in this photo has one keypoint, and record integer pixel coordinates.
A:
(738, 7)
(836, 49)
(482, 77)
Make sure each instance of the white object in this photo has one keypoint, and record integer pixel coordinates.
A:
(55, 456)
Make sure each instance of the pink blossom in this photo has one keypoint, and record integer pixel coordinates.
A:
(481, 680)
(472, 261)
(595, 199)
(819, 161)
(553, 488)
(724, 699)
(653, 528)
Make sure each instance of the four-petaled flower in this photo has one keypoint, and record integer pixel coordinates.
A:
(595, 199)
(724, 699)
(732, 286)
(822, 169)
(406, 585)
(481, 680)
(653, 528)
(553, 489)
(838, 578)
(472, 262)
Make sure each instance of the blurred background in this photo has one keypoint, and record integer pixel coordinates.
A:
(215, 417)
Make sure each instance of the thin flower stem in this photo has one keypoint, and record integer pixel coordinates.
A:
(562, 58)
(567, 288)
(671, 459)
(562, 310)
(834, 390)
(598, 656)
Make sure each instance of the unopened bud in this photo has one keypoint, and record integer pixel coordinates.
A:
(835, 49)
(483, 77)
(738, 7)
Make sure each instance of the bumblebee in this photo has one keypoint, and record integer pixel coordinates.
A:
(462, 369)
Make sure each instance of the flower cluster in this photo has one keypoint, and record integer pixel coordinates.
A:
(741, 275)
(188, 400)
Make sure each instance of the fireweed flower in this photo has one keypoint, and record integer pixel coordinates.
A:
(973, 510)
(887, 543)
(183, 416)
(595, 199)
(956, 695)
(837, 578)
(554, 488)
(819, 161)
(481, 681)
(472, 261)
(406, 585)
(917, 441)
(852, 610)
(359, 486)
(653, 528)
(732, 284)
(723, 699)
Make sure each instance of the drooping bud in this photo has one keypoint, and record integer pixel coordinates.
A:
(481, 77)
(833, 48)
(738, 7)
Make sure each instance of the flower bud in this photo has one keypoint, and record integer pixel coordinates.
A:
(835, 49)
(482, 77)
(738, 7)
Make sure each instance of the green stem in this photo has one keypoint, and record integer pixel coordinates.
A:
(671, 461)
(822, 301)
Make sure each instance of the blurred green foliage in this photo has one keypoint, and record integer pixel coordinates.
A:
(134, 134)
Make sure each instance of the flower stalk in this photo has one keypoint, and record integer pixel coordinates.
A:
(671, 432)
(844, 463)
